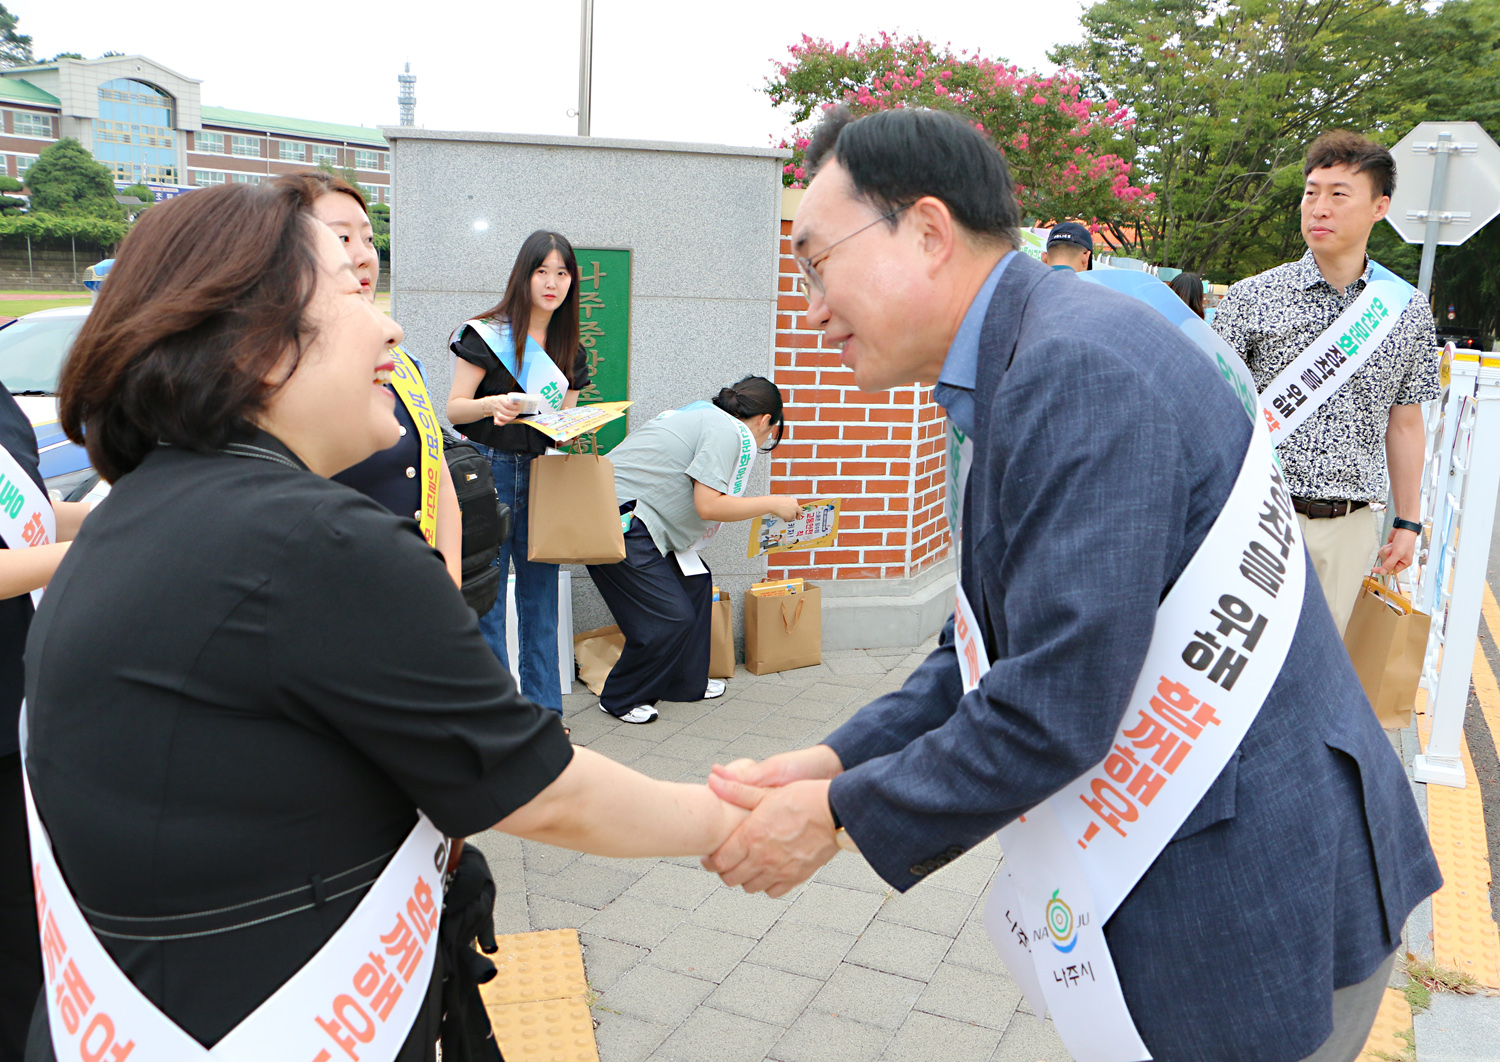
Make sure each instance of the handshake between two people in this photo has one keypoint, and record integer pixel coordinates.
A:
(789, 831)
(766, 825)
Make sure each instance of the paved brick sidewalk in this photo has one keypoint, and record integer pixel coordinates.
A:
(841, 970)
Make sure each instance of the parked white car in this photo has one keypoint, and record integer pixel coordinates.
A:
(32, 349)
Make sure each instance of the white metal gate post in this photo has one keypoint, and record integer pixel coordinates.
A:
(1442, 761)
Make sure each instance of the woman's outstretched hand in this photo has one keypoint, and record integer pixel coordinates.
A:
(786, 508)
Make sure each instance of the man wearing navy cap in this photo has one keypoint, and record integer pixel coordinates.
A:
(1069, 246)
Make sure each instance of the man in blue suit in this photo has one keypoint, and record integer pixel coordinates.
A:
(1105, 444)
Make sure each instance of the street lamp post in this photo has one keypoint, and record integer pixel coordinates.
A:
(585, 67)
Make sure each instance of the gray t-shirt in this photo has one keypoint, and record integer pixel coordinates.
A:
(658, 463)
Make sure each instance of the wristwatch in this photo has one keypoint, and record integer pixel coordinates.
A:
(840, 835)
(1406, 525)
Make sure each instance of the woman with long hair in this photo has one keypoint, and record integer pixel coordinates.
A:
(527, 342)
(241, 770)
(677, 479)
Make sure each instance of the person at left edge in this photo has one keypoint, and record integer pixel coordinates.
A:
(677, 478)
(23, 568)
(410, 477)
(528, 342)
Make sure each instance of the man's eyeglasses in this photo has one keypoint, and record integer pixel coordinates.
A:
(809, 282)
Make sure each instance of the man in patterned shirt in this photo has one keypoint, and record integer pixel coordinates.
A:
(1337, 460)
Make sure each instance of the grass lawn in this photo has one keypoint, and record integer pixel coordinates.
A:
(21, 307)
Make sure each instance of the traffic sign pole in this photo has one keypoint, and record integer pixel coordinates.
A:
(1444, 149)
(1463, 196)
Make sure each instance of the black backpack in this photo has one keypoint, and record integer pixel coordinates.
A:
(486, 521)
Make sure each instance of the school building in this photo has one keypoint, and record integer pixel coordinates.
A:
(148, 124)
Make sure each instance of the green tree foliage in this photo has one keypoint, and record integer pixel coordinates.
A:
(86, 229)
(15, 48)
(1062, 145)
(9, 204)
(1228, 93)
(141, 192)
(347, 174)
(66, 179)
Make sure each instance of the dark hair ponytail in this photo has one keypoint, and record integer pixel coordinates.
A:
(751, 397)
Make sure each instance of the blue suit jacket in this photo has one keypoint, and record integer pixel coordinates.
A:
(1104, 446)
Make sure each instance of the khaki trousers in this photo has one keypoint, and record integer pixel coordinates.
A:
(1343, 550)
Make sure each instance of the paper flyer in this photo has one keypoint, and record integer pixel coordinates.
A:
(580, 420)
(817, 526)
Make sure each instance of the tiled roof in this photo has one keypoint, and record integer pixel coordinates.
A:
(22, 91)
(272, 123)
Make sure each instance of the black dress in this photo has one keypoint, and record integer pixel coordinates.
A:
(228, 699)
(20, 953)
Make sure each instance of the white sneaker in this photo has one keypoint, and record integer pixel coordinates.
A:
(716, 688)
(641, 713)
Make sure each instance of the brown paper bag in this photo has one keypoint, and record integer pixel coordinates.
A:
(721, 648)
(596, 653)
(1387, 641)
(574, 516)
(785, 632)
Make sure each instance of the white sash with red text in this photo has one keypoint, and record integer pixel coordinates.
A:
(26, 516)
(356, 998)
(1218, 642)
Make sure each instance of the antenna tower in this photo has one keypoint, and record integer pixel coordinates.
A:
(407, 99)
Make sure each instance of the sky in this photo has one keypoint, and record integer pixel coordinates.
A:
(686, 70)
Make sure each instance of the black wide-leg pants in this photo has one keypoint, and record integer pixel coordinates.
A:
(666, 619)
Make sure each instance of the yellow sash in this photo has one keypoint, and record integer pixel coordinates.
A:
(406, 380)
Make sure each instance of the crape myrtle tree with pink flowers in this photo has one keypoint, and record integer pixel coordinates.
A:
(1062, 146)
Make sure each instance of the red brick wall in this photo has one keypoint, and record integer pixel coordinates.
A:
(882, 453)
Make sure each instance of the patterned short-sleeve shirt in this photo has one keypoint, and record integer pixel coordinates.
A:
(1339, 451)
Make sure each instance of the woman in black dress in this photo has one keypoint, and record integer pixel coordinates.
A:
(233, 723)
(26, 564)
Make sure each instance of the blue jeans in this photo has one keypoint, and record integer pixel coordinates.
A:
(536, 587)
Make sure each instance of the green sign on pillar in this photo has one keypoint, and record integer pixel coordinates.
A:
(604, 331)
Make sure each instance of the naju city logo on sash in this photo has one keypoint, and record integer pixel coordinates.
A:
(1060, 927)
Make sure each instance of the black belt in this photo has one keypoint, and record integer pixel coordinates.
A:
(316, 893)
(1322, 508)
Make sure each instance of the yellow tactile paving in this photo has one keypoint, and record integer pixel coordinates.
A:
(537, 1001)
(1484, 678)
(1393, 1019)
(548, 1030)
(533, 966)
(1464, 934)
